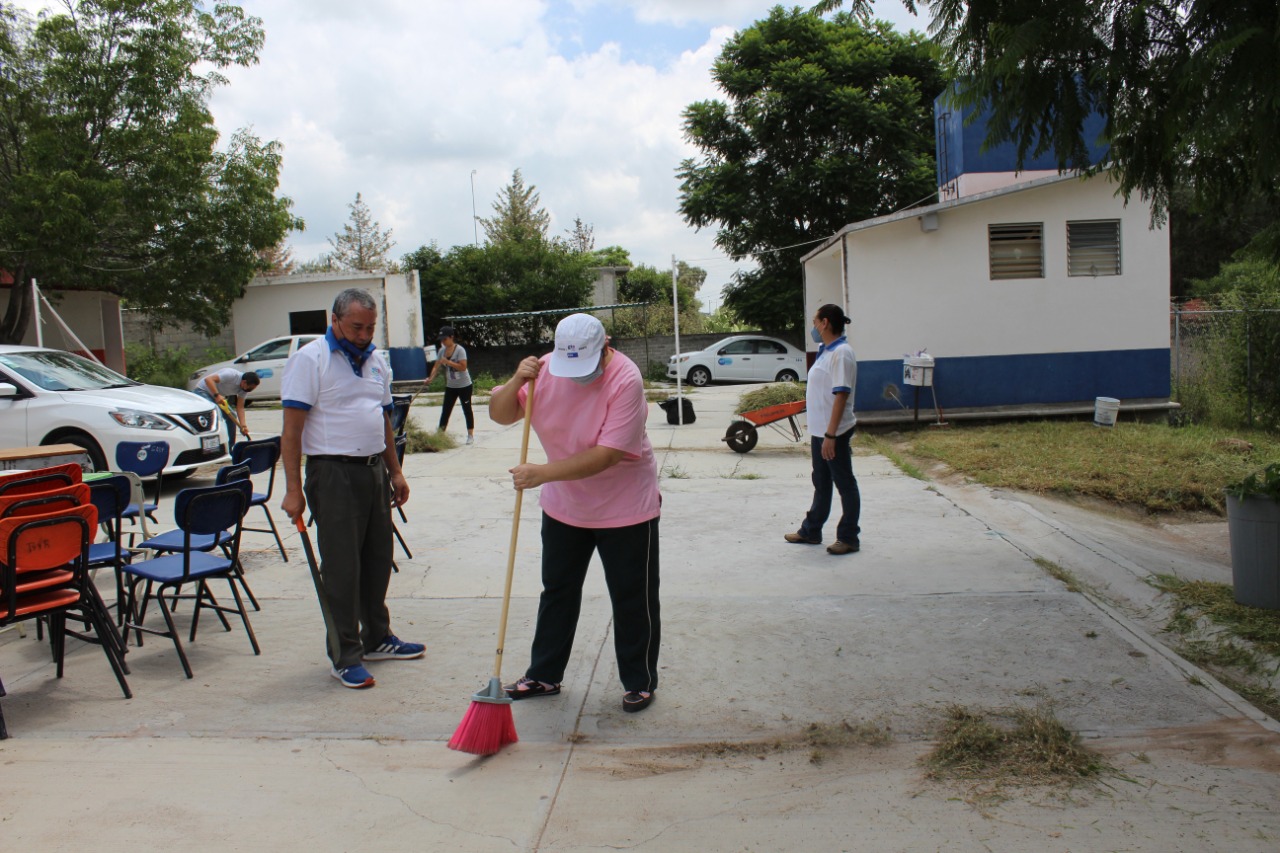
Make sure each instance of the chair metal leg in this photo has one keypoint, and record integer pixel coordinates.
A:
(400, 538)
(172, 634)
(4, 732)
(244, 616)
(284, 555)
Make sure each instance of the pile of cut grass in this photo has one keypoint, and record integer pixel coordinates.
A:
(426, 441)
(1154, 466)
(773, 394)
(1026, 746)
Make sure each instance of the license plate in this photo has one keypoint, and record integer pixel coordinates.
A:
(210, 444)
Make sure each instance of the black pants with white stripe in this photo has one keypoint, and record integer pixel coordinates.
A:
(630, 559)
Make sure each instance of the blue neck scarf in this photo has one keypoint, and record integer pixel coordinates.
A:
(356, 356)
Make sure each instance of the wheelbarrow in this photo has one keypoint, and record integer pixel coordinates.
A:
(743, 434)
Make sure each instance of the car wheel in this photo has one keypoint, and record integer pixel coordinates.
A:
(741, 436)
(97, 459)
(787, 376)
(699, 376)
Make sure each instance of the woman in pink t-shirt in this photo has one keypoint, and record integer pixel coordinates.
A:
(599, 493)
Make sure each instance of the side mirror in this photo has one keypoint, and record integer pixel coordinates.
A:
(8, 389)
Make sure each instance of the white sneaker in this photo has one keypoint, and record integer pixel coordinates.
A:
(471, 439)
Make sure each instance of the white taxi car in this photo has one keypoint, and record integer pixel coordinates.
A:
(50, 396)
(741, 358)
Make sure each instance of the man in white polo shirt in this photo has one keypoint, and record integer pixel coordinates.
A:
(336, 393)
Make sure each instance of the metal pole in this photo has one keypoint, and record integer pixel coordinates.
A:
(35, 305)
(1177, 353)
(475, 221)
(675, 306)
(1248, 369)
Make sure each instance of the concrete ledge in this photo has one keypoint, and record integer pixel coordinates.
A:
(1143, 409)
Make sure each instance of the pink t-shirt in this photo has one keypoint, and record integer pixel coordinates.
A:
(611, 411)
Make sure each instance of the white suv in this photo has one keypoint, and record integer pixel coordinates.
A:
(50, 396)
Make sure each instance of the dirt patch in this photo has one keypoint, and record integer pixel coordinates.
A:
(1236, 742)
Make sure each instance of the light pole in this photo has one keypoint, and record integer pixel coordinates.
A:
(475, 222)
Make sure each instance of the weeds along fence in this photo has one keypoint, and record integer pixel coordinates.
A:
(1226, 365)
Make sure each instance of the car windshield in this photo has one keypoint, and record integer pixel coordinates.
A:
(54, 370)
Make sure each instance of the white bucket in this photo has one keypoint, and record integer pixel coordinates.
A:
(1104, 411)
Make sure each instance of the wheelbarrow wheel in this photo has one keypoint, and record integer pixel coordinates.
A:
(741, 436)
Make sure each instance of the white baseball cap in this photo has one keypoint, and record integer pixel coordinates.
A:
(579, 342)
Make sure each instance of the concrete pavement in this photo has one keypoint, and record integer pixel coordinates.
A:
(944, 604)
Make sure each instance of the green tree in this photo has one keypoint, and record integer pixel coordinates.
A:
(518, 216)
(644, 283)
(514, 276)
(361, 244)
(582, 236)
(1189, 88)
(110, 175)
(828, 122)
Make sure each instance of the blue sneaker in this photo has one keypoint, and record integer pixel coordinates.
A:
(393, 648)
(356, 677)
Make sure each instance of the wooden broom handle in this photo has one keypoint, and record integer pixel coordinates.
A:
(515, 534)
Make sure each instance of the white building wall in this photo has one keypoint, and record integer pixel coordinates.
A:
(263, 312)
(933, 290)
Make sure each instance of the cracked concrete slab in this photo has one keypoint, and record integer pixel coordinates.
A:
(945, 604)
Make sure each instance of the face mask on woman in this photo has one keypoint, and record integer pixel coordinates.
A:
(593, 375)
(816, 335)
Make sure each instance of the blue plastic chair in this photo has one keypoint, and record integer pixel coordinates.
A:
(146, 459)
(261, 455)
(204, 511)
(173, 541)
(111, 497)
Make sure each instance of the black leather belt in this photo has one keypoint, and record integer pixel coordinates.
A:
(368, 461)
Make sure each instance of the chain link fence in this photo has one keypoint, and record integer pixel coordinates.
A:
(1226, 365)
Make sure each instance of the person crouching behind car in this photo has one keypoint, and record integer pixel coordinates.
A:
(224, 387)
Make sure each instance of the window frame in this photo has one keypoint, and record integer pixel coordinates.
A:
(1003, 265)
(1115, 249)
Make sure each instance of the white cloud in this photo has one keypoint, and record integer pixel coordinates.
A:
(401, 99)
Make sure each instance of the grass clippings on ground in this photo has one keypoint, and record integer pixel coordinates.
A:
(1010, 747)
(1240, 645)
(426, 441)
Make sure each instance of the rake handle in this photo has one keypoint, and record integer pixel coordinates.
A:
(515, 533)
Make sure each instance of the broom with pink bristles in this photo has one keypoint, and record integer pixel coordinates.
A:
(487, 726)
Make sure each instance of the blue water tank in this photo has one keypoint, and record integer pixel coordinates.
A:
(408, 363)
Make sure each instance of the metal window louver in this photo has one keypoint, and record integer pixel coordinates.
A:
(1093, 247)
(1016, 250)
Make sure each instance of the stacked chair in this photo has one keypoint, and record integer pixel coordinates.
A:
(45, 538)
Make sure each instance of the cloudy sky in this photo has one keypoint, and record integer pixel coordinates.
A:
(412, 102)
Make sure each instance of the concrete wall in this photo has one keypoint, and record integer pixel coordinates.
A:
(501, 361)
(1054, 339)
(199, 346)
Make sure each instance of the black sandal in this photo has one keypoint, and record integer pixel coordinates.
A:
(528, 688)
(634, 700)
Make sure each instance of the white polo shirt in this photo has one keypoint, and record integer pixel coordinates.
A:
(345, 407)
(834, 370)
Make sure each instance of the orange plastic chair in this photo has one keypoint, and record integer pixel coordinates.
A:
(41, 479)
(34, 548)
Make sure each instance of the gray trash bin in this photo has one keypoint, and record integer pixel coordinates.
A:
(1254, 526)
